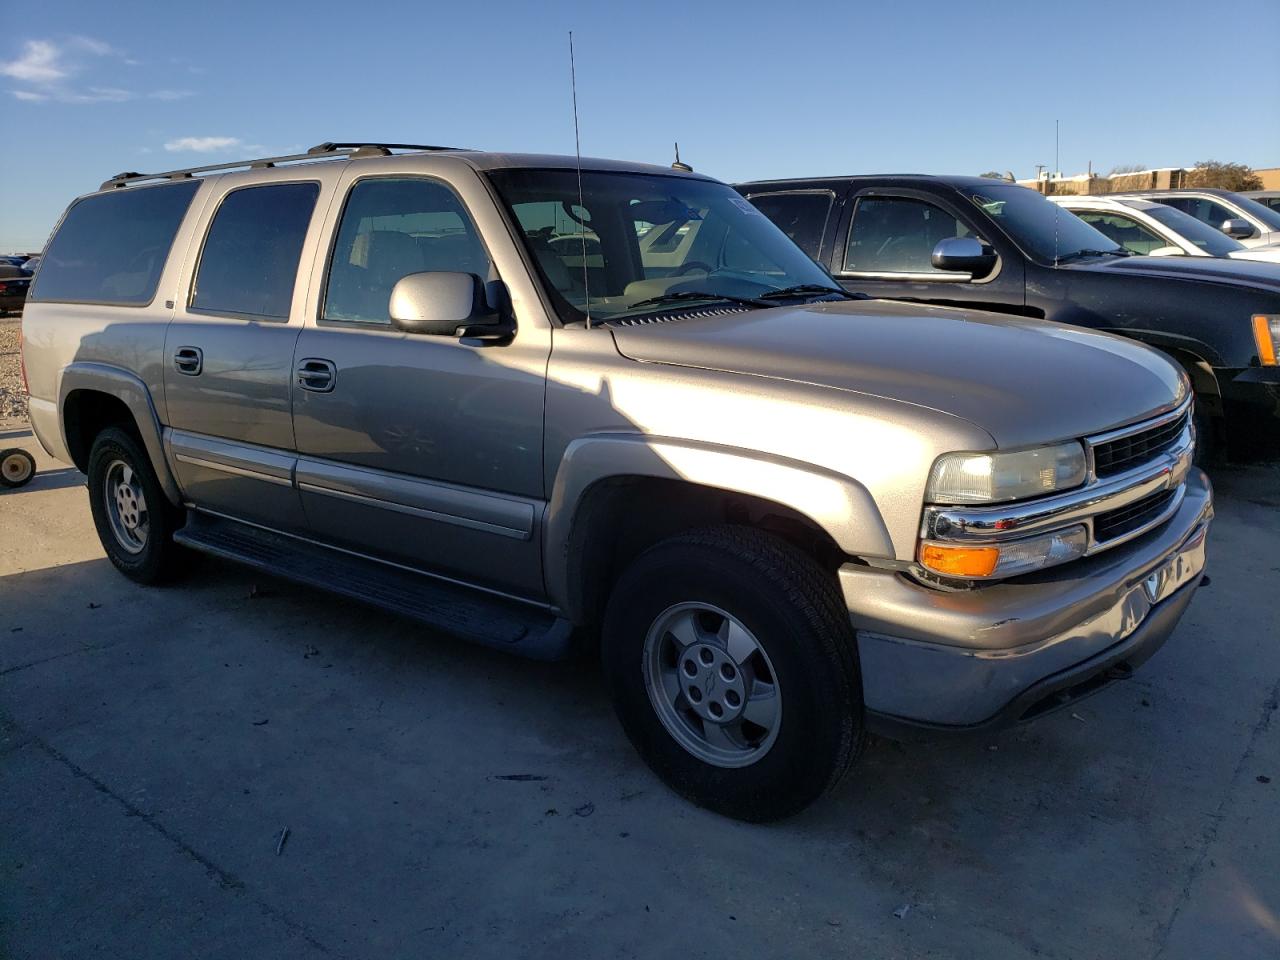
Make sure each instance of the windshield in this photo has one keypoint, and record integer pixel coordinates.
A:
(1209, 240)
(1258, 211)
(1040, 226)
(644, 243)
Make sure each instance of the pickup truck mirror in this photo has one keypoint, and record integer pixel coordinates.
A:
(1237, 228)
(437, 302)
(964, 254)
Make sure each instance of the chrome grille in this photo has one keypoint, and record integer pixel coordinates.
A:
(1112, 457)
(1116, 523)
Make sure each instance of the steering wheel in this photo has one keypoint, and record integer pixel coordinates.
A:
(691, 265)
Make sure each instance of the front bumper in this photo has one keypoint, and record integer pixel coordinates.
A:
(1009, 651)
(1252, 400)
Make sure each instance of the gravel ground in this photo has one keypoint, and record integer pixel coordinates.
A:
(13, 399)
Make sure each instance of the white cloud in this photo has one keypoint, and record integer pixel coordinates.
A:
(96, 47)
(41, 62)
(202, 144)
(47, 70)
(98, 95)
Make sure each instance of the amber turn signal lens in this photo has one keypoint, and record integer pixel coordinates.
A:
(1264, 330)
(960, 561)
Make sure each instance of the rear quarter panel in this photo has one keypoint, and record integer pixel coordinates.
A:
(56, 335)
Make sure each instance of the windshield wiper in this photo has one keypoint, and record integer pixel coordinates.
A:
(680, 295)
(805, 289)
(1076, 255)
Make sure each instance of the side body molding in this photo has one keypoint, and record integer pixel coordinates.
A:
(124, 386)
(839, 505)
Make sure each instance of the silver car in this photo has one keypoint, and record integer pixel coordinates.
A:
(1238, 216)
(546, 408)
(1155, 229)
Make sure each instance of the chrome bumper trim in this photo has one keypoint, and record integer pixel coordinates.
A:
(1011, 521)
(958, 658)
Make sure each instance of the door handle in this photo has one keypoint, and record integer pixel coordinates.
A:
(317, 375)
(189, 360)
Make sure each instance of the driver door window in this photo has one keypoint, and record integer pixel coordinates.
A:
(896, 235)
(390, 229)
(1125, 231)
(1204, 210)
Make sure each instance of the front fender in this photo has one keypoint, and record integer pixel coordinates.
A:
(133, 393)
(839, 505)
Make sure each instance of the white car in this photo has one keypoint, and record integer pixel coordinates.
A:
(1236, 215)
(1157, 230)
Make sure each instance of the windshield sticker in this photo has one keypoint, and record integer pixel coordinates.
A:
(993, 207)
(745, 206)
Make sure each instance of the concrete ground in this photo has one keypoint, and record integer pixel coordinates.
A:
(155, 743)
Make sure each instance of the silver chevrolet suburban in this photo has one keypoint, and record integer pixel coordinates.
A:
(540, 406)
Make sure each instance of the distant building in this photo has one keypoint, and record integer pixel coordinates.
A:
(1161, 178)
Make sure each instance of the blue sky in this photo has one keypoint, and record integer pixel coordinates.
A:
(749, 89)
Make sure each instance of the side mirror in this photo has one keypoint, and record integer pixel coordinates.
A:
(1237, 228)
(1169, 251)
(445, 304)
(963, 254)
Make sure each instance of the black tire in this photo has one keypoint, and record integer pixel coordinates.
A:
(795, 610)
(159, 559)
(17, 467)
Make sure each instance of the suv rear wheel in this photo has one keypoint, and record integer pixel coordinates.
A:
(135, 520)
(733, 669)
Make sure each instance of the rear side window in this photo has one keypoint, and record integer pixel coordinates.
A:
(801, 216)
(250, 257)
(111, 247)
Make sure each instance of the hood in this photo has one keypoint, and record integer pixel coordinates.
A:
(1025, 382)
(1221, 270)
(1269, 253)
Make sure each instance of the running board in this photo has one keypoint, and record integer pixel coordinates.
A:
(472, 615)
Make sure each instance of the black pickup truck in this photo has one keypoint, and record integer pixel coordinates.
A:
(975, 242)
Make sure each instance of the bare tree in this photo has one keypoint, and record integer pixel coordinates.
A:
(1225, 176)
(992, 175)
(1127, 168)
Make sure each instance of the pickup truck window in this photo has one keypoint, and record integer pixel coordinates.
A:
(897, 235)
(111, 247)
(250, 257)
(1202, 209)
(1213, 213)
(647, 237)
(1207, 238)
(1043, 229)
(1126, 231)
(801, 216)
(393, 227)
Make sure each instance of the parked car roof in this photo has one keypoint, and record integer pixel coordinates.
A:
(950, 180)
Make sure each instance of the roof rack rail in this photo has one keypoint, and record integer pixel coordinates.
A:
(321, 151)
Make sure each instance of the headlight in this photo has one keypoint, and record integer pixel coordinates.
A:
(1007, 559)
(996, 477)
(1266, 334)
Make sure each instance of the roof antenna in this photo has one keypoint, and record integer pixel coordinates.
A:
(577, 151)
(1057, 166)
(680, 164)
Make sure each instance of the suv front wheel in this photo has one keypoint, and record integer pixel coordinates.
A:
(733, 669)
(135, 520)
